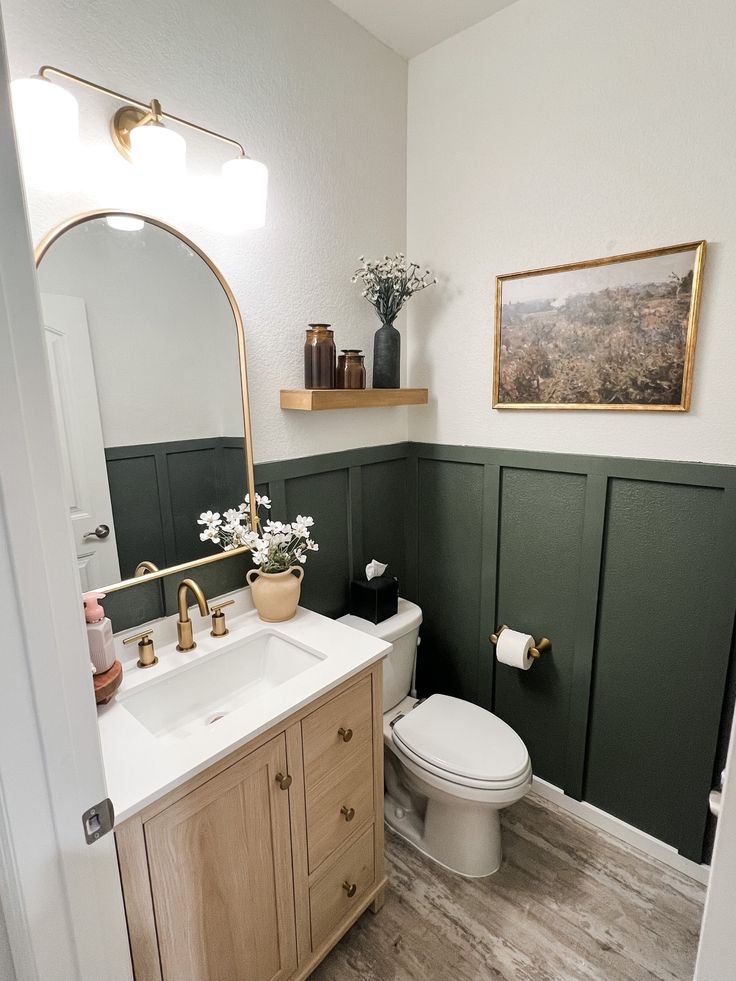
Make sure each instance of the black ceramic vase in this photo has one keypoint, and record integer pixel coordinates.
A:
(387, 357)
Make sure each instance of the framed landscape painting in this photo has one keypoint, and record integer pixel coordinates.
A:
(615, 333)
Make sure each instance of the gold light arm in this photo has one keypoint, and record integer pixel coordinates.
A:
(144, 107)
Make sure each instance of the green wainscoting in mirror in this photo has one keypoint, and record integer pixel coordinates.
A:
(628, 566)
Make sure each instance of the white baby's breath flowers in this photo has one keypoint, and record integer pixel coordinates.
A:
(390, 282)
(275, 545)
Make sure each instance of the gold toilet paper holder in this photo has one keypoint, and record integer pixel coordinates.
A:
(541, 646)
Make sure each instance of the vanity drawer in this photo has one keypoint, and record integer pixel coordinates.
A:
(337, 733)
(338, 805)
(341, 888)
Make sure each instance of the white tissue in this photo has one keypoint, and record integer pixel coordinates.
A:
(375, 568)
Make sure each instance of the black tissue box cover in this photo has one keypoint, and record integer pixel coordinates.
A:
(374, 599)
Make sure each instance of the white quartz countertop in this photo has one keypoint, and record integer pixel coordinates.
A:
(141, 767)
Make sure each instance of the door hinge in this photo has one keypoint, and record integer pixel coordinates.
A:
(98, 820)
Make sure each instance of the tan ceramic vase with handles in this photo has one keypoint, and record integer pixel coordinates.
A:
(275, 594)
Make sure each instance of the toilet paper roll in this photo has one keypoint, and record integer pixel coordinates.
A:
(513, 649)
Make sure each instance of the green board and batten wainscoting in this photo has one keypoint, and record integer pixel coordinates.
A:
(628, 566)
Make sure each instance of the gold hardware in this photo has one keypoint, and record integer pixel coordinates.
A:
(42, 248)
(541, 646)
(494, 637)
(146, 651)
(219, 627)
(350, 888)
(143, 568)
(135, 112)
(283, 780)
(347, 812)
(184, 624)
(347, 734)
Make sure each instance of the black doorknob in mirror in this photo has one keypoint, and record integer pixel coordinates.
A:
(101, 531)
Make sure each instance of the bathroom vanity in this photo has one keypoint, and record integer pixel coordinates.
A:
(249, 838)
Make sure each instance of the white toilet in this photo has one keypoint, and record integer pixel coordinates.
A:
(450, 766)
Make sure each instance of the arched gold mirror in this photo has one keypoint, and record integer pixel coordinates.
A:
(147, 355)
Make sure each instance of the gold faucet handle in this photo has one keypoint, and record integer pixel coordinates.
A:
(146, 651)
(219, 627)
(216, 607)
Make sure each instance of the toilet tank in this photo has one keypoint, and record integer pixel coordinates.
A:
(401, 630)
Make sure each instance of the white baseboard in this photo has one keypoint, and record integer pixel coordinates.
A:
(619, 829)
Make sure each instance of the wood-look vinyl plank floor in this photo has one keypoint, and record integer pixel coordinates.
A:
(570, 903)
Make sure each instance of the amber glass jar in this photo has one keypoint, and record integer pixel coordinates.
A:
(319, 357)
(351, 369)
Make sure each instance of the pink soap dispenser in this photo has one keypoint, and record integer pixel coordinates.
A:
(99, 632)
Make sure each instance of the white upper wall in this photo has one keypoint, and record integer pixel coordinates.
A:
(312, 95)
(560, 131)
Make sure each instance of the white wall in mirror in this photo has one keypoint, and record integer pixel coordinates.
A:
(162, 332)
(312, 95)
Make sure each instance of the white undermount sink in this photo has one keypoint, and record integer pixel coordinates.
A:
(202, 692)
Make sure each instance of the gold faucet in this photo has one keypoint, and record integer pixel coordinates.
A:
(184, 624)
(143, 568)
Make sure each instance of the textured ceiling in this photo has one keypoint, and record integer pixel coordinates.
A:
(412, 26)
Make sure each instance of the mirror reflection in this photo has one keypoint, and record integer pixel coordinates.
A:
(143, 352)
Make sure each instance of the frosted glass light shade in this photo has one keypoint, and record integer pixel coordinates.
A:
(125, 223)
(246, 191)
(158, 151)
(47, 129)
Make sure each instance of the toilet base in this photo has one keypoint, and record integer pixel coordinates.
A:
(464, 839)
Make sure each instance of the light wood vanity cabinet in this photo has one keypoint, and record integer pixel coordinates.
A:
(254, 869)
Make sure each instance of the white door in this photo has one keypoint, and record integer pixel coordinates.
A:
(74, 391)
(60, 897)
(717, 951)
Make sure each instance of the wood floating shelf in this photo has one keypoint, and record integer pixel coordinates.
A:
(319, 399)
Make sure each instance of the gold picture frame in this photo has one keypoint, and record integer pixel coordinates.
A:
(519, 338)
(43, 247)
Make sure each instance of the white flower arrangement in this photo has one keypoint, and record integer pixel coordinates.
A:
(389, 282)
(275, 546)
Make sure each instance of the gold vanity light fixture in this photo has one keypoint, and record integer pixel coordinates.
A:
(47, 114)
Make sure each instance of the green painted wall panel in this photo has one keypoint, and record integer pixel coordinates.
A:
(324, 496)
(194, 487)
(449, 561)
(384, 516)
(136, 494)
(541, 524)
(658, 677)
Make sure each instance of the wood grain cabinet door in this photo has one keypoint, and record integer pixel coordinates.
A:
(221, 876)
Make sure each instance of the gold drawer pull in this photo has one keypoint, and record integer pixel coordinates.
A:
(350, 888)
(348, 812)
(284, 782)
(345, 734)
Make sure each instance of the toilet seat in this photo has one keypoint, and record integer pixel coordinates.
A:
(463, 744)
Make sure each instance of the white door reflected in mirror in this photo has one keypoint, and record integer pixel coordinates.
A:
(80, 435)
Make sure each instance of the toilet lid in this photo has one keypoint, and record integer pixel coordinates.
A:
(463, 739)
